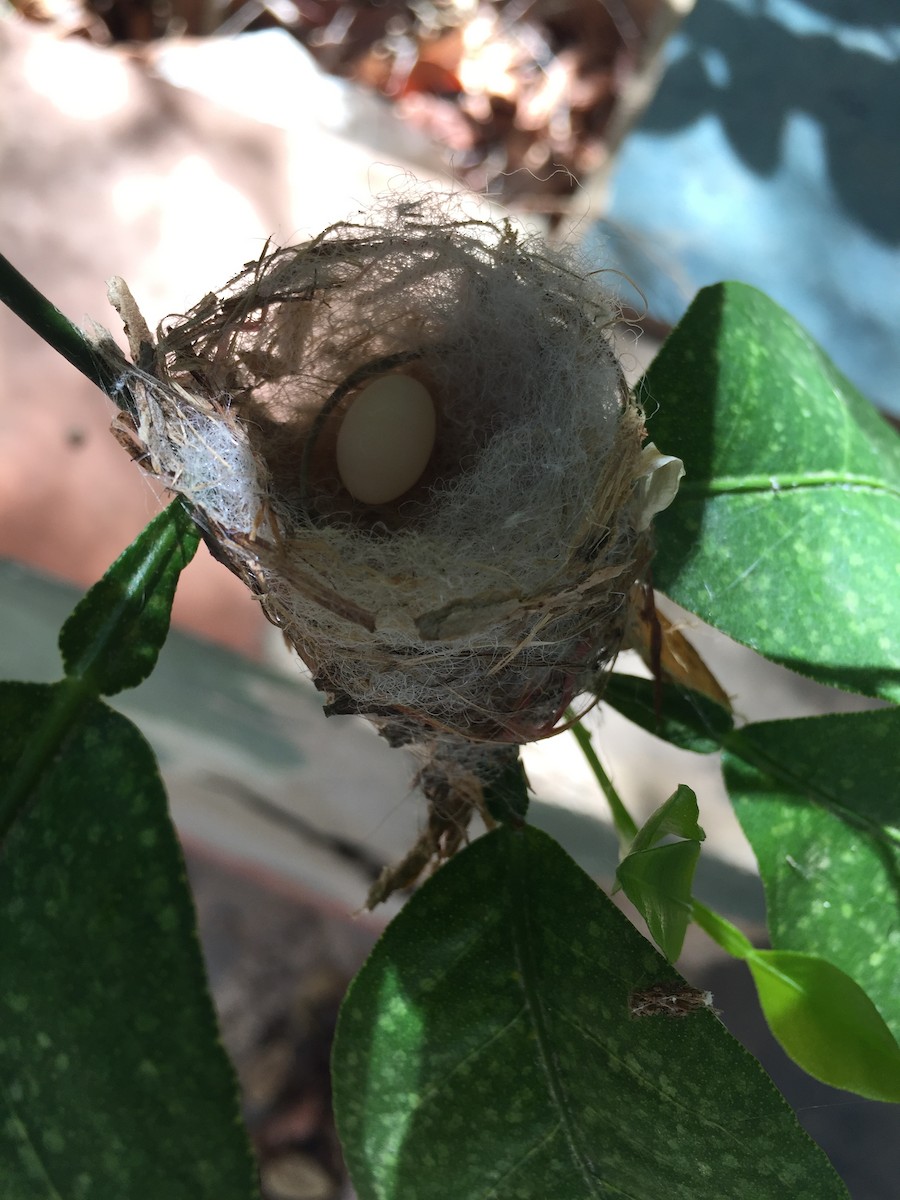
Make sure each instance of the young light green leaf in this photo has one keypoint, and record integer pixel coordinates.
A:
(677, 817)
(686, 718)
(113, 1083)
(658, 883)
(488, 1048)
(786, 530)
(827, 1023)
(819, 800)
(658, 879)
(113, 638)
(822, 1017)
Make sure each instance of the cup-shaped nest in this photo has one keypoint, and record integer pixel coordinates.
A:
(494, 586)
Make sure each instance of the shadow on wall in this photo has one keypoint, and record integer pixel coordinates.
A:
(769, 155)
(836, 61)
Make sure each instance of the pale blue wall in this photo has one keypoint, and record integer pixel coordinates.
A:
(771, 154)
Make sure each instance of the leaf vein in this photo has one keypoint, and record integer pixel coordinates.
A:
(436, 1088)
(529, 1153)
(773, 484)
(523, 948)
(53, 1193)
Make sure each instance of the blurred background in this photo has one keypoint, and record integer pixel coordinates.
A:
(165, 141)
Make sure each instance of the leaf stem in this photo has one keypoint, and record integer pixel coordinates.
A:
(625, 826)
(32, 307)
(722, 932)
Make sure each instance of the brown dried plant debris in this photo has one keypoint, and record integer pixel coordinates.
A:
(518, 94)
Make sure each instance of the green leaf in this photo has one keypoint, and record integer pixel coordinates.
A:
(658, 883)
(786, 530)
(111, 641)
(30, 752)
(822, 1018)
(827, 1023)
(114, 636)
(819, 800)
(487, 1048)
(677, 817)
(658, 879)
(113, 1083)
(687, 719)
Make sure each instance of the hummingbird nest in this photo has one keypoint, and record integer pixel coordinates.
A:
(470, 369)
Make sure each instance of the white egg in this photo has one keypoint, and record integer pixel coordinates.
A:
(386, 439)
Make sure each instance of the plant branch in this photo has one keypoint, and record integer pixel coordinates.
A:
(49, 323)
(622, 819)
(722, 932)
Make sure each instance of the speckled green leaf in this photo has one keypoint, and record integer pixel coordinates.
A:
(826, 1023)
(686, 718)
(114, 636)
(487, 1048)
(786, 530)
(113, 1084)
(821, 807)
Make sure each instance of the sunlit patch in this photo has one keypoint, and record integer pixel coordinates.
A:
(76, 79)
